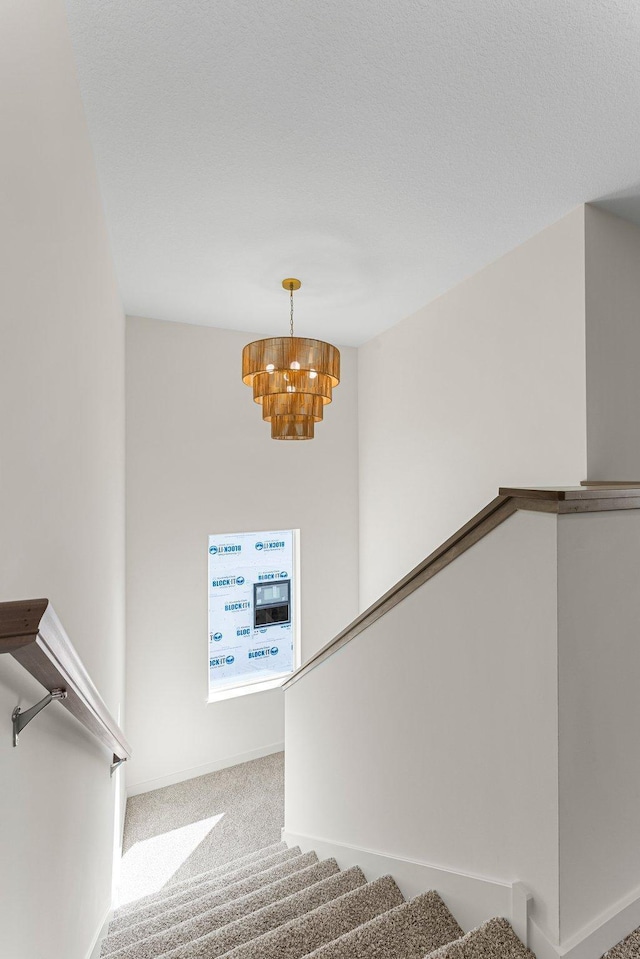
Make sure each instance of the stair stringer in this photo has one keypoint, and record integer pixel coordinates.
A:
(471, 899)
(475, 899)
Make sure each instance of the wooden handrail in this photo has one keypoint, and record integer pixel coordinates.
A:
(35, 637)
(547, 499)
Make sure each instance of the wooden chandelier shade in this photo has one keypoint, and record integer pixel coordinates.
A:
(292, 378)
(292, 381)
(292, 404)
(290, 353)
(292, 427)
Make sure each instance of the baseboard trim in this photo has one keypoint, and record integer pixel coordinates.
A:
(594, 939)
(94, 948)
(471, 899)
(183, 774)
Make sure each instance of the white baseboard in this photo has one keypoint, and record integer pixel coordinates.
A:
(604, 932)
(94, 948)
(183, 774)
(472, 899)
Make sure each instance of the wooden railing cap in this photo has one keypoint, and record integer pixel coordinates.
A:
(565, 493)
(19, 622)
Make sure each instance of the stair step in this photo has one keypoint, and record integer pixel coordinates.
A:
(270, 917)
(236, 861)
(494, 939)
(324, 924)
(197, 890)
(410, 931)
(627, 948)
(204, 924)
(217, 897)
(174, 886)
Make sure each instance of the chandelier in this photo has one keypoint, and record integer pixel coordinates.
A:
(292, 378)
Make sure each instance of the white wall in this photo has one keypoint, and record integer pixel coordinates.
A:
(483, 387)
(488, 724)
(200, 460)
(61, 485)
(599, 713)
(432, 735)
(612, 256)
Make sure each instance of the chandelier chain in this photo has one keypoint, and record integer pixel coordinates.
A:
(291, 312)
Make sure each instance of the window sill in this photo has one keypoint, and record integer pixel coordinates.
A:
(247, 690)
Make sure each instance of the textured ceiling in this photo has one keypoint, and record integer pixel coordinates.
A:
(381, 151)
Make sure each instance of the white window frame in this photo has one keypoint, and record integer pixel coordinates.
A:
(273, 682)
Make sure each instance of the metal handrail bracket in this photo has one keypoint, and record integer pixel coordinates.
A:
(21, 719)
(115, 764)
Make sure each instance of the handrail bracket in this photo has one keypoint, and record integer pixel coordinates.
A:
(116, 762)
(21, 719)
(32, 633)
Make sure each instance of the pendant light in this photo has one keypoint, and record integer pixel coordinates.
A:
(292, 378)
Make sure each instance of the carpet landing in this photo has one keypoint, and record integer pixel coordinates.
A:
(226, 814)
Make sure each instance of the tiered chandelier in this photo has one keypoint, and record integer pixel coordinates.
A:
(292, 378)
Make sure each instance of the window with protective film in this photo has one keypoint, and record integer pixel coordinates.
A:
(253, 608)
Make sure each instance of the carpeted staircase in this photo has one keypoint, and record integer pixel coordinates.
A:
(278, 903)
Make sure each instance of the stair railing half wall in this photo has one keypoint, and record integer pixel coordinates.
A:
(32, 633)
(587, 498)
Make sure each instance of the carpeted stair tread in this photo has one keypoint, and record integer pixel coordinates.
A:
(324, 924)
(174, 886)
(409, 931)
(236, 861)
(217, 897)
(270, 917)
(204, 924)
(195, 890)
(494, 939)
(628, 948)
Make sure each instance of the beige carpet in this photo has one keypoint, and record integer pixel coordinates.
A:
(629, 948)
(180, 831)
(281, 904)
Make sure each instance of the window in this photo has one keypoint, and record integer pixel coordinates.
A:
(253, 610)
